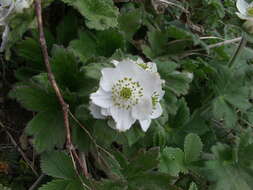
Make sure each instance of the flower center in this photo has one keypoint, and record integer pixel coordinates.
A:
(126, 93)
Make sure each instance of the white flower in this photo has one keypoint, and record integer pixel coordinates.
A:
(128, 93)
(149, 66)
(157, 94)
(20, 5)
(7, 7)
(245, 10)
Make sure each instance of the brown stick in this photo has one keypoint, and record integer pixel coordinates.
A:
(64, 105)
(19, 149)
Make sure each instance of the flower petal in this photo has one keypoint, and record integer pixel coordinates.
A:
(4, 38)
(152, 67)
(122, 117)
(157, 112)
(105, 112)
(109, 76)
(244, 17)
(143, 109)
(242, 6)
(96, 111)
(145, 124)
(102, 98)
(21, 5)
(115, 62)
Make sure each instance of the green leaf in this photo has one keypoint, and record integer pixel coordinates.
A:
(144, 161)
(112, 185)
(151, 180)
(4, 188)
(34, 98)
(130, 22)
(92, 45)
(192, 147)
(60, 184)
(158, 41)
(47, 129)
(84, 47)
(93, 70)
(133, 135)
(182, 116)
(225, 172)
(108, 41)
(193, 186)
(230, 88)
(103, 133)
(177, 82)
(58, 164)
(67, 29)
(172, 161)
(223, 111)
(100, 14)
(65, 68)
(24, 49)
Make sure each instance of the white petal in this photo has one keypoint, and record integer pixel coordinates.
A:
(143, 109)
(111, 123)
(157, 112)
(109, 77)
(242, 6)
(6, 3)
(244, 17)
(145, 124)
(161, 94)
(96, 111)
(122, 117)
(129, 69)
(152, 67)
(6, 10)
(115, 62)
(105, 112)
(102, 98)
(139, 61)
(21, 5)
(4, 38)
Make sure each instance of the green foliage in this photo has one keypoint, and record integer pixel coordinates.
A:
(63, 185)
(89, 45)
(4, 188)
(57, 164)
(100, 14)
(202, 140)
(48, 130)
(192, 147)
(174, 160)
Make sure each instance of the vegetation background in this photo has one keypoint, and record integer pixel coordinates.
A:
(202, 141)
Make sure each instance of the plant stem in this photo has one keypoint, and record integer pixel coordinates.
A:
(238, 51)
(65, 107)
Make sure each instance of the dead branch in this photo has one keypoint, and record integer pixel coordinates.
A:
(64, 105)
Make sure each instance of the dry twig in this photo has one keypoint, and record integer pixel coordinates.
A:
(19, 149)
(64, 105)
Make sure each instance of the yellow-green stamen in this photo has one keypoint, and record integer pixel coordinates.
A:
(143, 65)
(126, 93)
(250, 11)
(154, 100)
